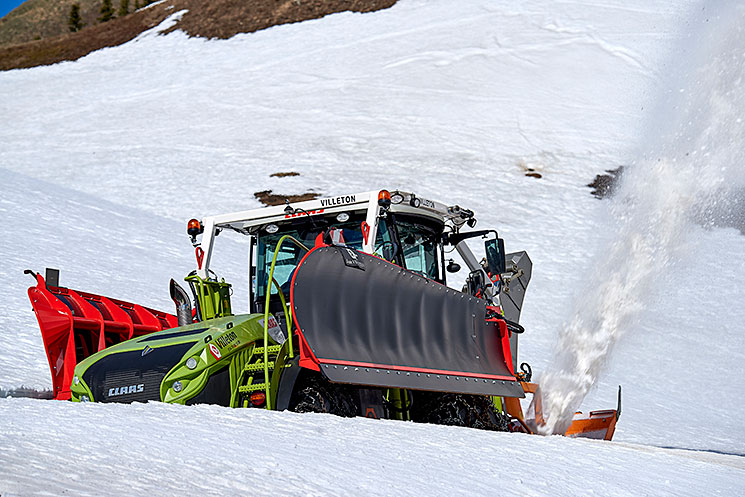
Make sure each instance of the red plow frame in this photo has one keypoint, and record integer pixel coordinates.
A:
(76, 324)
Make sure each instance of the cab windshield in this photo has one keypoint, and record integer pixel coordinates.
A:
(290, 255)
(419, 241)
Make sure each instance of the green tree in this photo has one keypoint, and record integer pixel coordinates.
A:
(107, 11)
(123, 8)
(75, 22)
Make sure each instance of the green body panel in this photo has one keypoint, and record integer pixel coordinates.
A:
(222, 342)
(243, 334)
(213, 296)
(79, 391)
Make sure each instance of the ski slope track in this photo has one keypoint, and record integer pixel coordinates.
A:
(104, 159)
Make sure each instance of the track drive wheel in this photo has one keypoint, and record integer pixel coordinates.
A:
(315, 394)
(473, 411)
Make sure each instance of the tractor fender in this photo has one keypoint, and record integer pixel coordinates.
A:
(287, 383)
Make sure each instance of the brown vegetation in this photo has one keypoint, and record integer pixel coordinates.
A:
(76, 45)
(226, 18)
(42, 19)
(268, 198)
(213, 19)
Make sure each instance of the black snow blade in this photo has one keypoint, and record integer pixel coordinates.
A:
(370, 322)
(520, 269)
(515, 281)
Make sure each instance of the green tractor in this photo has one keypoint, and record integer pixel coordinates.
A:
(349, 314)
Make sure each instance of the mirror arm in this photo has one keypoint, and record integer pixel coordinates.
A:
(474, 265)
(457, 238)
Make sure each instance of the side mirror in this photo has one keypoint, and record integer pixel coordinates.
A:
(452, 267)
(495, 256)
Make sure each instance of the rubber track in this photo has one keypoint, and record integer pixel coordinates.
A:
(472, 411)
(317, 395)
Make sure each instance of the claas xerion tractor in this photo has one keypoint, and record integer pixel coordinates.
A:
(350, 313)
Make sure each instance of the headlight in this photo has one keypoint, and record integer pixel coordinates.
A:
(84, 398)
(177, 386)
(76, 380)
(191, 363)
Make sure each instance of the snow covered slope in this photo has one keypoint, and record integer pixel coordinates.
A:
(207, 450)
(114, 250)
(103, 160)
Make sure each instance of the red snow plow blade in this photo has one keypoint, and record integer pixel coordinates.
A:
(599, 425)
(77, 324)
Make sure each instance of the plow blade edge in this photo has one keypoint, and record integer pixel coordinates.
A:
(365, 321)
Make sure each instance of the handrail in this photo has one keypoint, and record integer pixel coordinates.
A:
(287, 316)
(266, 312)
(205, 297)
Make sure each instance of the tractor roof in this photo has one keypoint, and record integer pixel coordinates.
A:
(402, 202)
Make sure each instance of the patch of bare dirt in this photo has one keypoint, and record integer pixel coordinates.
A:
(605, 185)
(268, 198)
(226, 18)
(284, 175)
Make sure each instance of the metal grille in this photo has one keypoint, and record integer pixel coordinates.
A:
(132, 385)
(130, 376)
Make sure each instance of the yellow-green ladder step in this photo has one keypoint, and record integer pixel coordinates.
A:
(258, 366)
(252, 388)
(272, 349)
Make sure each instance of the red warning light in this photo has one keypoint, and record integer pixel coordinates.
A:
(258, 398)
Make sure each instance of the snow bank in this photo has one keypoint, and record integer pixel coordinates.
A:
(207, 450)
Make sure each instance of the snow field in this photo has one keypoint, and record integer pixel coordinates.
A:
(209, 450)
(105, 159)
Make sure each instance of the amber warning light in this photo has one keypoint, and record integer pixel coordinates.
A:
(194, 228)
(384, 198)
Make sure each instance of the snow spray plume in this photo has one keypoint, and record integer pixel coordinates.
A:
(694, 171)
